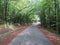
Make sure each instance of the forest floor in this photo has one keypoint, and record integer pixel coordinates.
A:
(51, 36)
(6, 35)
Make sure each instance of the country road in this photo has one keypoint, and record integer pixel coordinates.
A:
(31, 36)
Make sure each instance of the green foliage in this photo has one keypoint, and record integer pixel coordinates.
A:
(24, 11)
(50, 11)
(17, 11)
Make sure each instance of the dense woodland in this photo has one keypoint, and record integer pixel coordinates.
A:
(26, 11)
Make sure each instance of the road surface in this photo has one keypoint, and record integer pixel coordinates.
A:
(30, 36)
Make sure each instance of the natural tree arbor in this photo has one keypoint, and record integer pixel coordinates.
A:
(16, 11)
(24, 11)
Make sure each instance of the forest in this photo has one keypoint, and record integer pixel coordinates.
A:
(28, 11)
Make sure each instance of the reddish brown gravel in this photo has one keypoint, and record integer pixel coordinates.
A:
(51, 36)
(7, 39)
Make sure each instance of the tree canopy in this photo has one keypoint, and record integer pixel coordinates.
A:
(24, 11)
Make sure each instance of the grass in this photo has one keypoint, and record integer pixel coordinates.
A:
(6, 31)
(5, 34)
